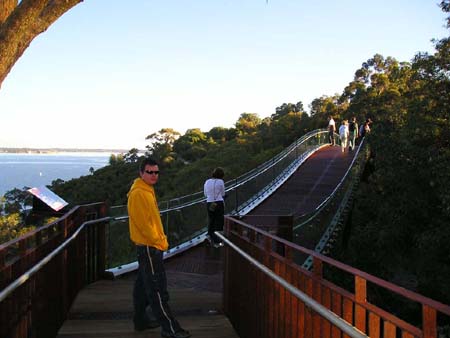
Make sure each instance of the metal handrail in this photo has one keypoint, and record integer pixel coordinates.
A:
(346, 268)
(316, 306)
(248, 202)
(198, 197)
(27, 275)
(244, 178)
(330, 196)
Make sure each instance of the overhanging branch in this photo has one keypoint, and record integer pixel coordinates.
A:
(25, 21)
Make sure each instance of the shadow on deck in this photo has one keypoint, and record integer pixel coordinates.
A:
(195, 281)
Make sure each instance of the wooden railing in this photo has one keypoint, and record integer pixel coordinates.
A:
(258, 306)
(42, 272)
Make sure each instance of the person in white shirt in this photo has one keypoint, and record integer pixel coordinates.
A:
(214, 190)
(343, 134)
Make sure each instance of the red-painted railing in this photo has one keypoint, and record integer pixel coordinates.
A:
(38, 282)
(258, 306)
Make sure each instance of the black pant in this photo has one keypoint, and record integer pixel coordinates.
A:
(331, 137)
(150, 288)
(215, 220)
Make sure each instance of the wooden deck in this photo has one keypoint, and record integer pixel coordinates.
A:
(195, 278)
(309, 185)
(105, 309)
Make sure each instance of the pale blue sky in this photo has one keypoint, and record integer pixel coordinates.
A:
(109, 73)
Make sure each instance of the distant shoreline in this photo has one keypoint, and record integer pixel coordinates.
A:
(58, 150)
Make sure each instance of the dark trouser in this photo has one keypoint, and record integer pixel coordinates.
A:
(331, 137)
(215, 220)
(352, 140)
(150, 288)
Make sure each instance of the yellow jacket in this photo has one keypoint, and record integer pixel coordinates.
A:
(145, 222)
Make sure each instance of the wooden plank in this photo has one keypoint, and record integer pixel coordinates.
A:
(407, 335)
(282, 302)
(195, 307)
(294, 317)
(301, 328)
(201, 327)
(337, 309)
(317, 319)
(308, 312)
(389, 330)
(360, 318)
(276, 301)
(360, 297)
(374, 325)
(288, 307)
(259, 304)
(429, 322)
(326, 301)
(271, 294)
(348, 313)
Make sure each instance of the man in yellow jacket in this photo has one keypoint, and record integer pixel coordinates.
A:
(147, 232)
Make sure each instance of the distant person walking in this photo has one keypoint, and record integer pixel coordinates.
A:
(331, 130)
(353, 131)
(365, 128)
(147, 233)
(214, 190)
(343, 134)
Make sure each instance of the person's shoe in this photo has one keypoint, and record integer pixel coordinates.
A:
(152, 324)
(218, 245)
(179, 334)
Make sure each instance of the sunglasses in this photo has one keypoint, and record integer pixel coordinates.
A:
(151, 172)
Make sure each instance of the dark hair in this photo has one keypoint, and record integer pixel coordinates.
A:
(147, 161)
(218, 173)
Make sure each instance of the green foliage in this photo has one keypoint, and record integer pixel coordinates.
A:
(11, 227)
(402, 211)
(288, 108)
(325, 106)
(192, 146)
(109, 184)
(132, 156)
(115, 159)
(221, 135)
(247, 124)
(161, 145)
(15, 201)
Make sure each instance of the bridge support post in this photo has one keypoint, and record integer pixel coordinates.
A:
(429, 322)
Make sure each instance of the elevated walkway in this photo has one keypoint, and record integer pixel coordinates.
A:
(195, 277)
(309, 185)
(256, 286)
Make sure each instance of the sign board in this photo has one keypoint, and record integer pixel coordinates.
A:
(48, 197)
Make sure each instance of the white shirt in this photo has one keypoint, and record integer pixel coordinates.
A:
(331, 124)
(343, 130)
(214, 190)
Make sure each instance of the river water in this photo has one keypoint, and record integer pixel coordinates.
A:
(34, 170)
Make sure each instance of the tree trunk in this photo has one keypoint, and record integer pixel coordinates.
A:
(6, 7)
(20, 24)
